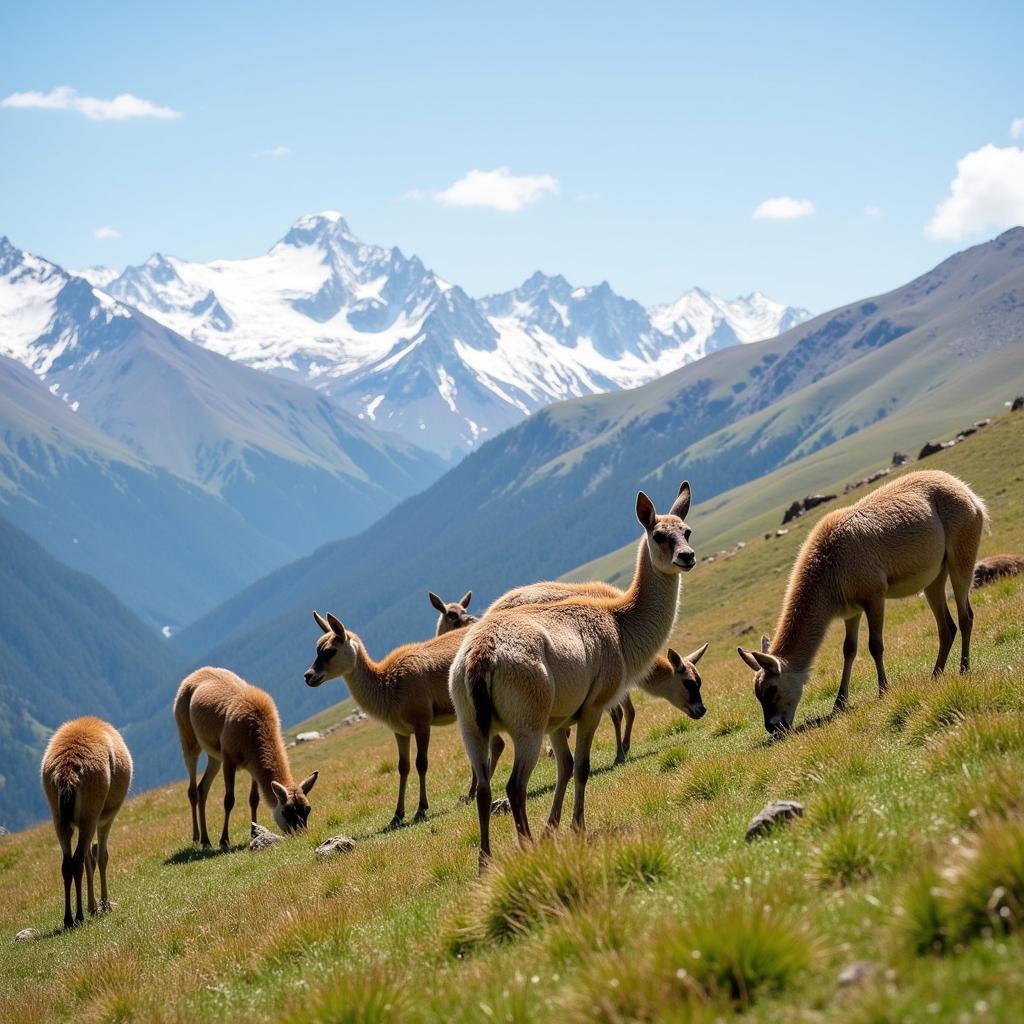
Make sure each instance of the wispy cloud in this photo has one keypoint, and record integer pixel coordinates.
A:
(276, 152)
(499, 189)
(1017, 128)
(987, 192)
(105, 232)
(783, 208)
(63, 97)
(872, 211)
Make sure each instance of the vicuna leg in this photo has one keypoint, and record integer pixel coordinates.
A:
(254, 800)
(212, 767)
(102, 858)
(422, 747)
(615, 714)
(563, 762)
(849, 654)
(628, 717)
(965, 615)
(497, 746)
(403, 778)
(67, 871)
(581, 770)
(229, 801)
(875, 612)
(935, 592)
(90, 877)
(527, 747)
(476, 750)
(961, 554)
(82, 850)
(191, 763)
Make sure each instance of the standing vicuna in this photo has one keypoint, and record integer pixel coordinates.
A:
(906, 537)
(659, 681)
(542, 668)
(407, 690)
(86, 772)
(453, 615)
(236, 725)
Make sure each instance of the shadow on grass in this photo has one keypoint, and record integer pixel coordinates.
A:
(549, 787)
(190, 854)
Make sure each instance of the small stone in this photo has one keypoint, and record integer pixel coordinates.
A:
(501, 806)
(775, 813)
(929, 448)
(26, 935)
(856, 973)
(308, 737)
(336, 844)
(263, 837)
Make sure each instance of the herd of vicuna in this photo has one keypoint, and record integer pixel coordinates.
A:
(542, 659)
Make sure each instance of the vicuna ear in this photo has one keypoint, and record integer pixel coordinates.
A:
(748, 659)
(436, 601)
(307, 784)
(769, 663)
(674, 660)
(466, 598)
(319, 620)
(766, 643)
(336, 627)
(682, 503)
(645, 511)
(697, 654)
(279, 791)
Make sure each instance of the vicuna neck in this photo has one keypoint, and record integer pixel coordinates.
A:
(807, 612)
(366, 683)
(646, 613)
(271, 762)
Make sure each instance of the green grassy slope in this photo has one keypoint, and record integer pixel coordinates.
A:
(910, 856)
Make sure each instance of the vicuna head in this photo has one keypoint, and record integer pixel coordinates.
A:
(777, 686)
(454, 615)
(292, 809)
(682, 688)
(335, 651)
(668, 536)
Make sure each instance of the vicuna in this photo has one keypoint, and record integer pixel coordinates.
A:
(996, 567)
(453, 615)
(236, 725)
(542, 668)
(86, 772)
(407, 691)
(906, 537)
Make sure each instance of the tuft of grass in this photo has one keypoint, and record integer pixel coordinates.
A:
(997, 793)
(902, 706)
(641, 861)
(847, 855)
(834, 807)
(729, 724)
(354, 997)
(950, 705)
(706, 780)
(669, 760)
(677, 727)
(979, 739)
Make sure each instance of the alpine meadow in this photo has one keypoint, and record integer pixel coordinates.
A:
(512, 516)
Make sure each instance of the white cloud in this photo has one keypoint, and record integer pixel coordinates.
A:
(1017, 128)
(872, 211)
(63, 97)
(276, 152)
(105, 232)
(987, 192)
(499, 189)
(783, 208)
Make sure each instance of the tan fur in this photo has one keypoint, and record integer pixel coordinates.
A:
(86, 772)
(236, 725)
(903, 538)
(453, 614)
(538, 669)
(407, 690)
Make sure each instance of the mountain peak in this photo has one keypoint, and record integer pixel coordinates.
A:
(315, 227)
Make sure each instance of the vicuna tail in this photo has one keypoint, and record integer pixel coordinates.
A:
(65, 805)
(478, 678)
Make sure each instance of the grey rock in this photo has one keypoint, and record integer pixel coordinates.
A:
(334, 845)
(856, 973)
(308, 737)
(263, 837)
(26, 935)
(775, 813)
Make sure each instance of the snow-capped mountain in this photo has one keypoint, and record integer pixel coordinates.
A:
(408, 351)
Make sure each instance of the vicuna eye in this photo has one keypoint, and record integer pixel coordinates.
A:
(687, 532)
(327, 653)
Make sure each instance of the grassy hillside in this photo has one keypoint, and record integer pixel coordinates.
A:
(910, 856)
(936, 353)
(67, 647)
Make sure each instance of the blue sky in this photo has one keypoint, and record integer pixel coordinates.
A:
(639, 140)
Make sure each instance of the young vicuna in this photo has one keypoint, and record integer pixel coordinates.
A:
(542, 668)
(86, 773)
(453, 615)
(236, 725)
(906, 537)
(407, 690)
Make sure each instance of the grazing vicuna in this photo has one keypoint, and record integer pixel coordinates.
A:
(407, 690)
(996, 567)
(542, 668)
(453, 615)
(86, 772)
(906, 537)
(236, 725)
